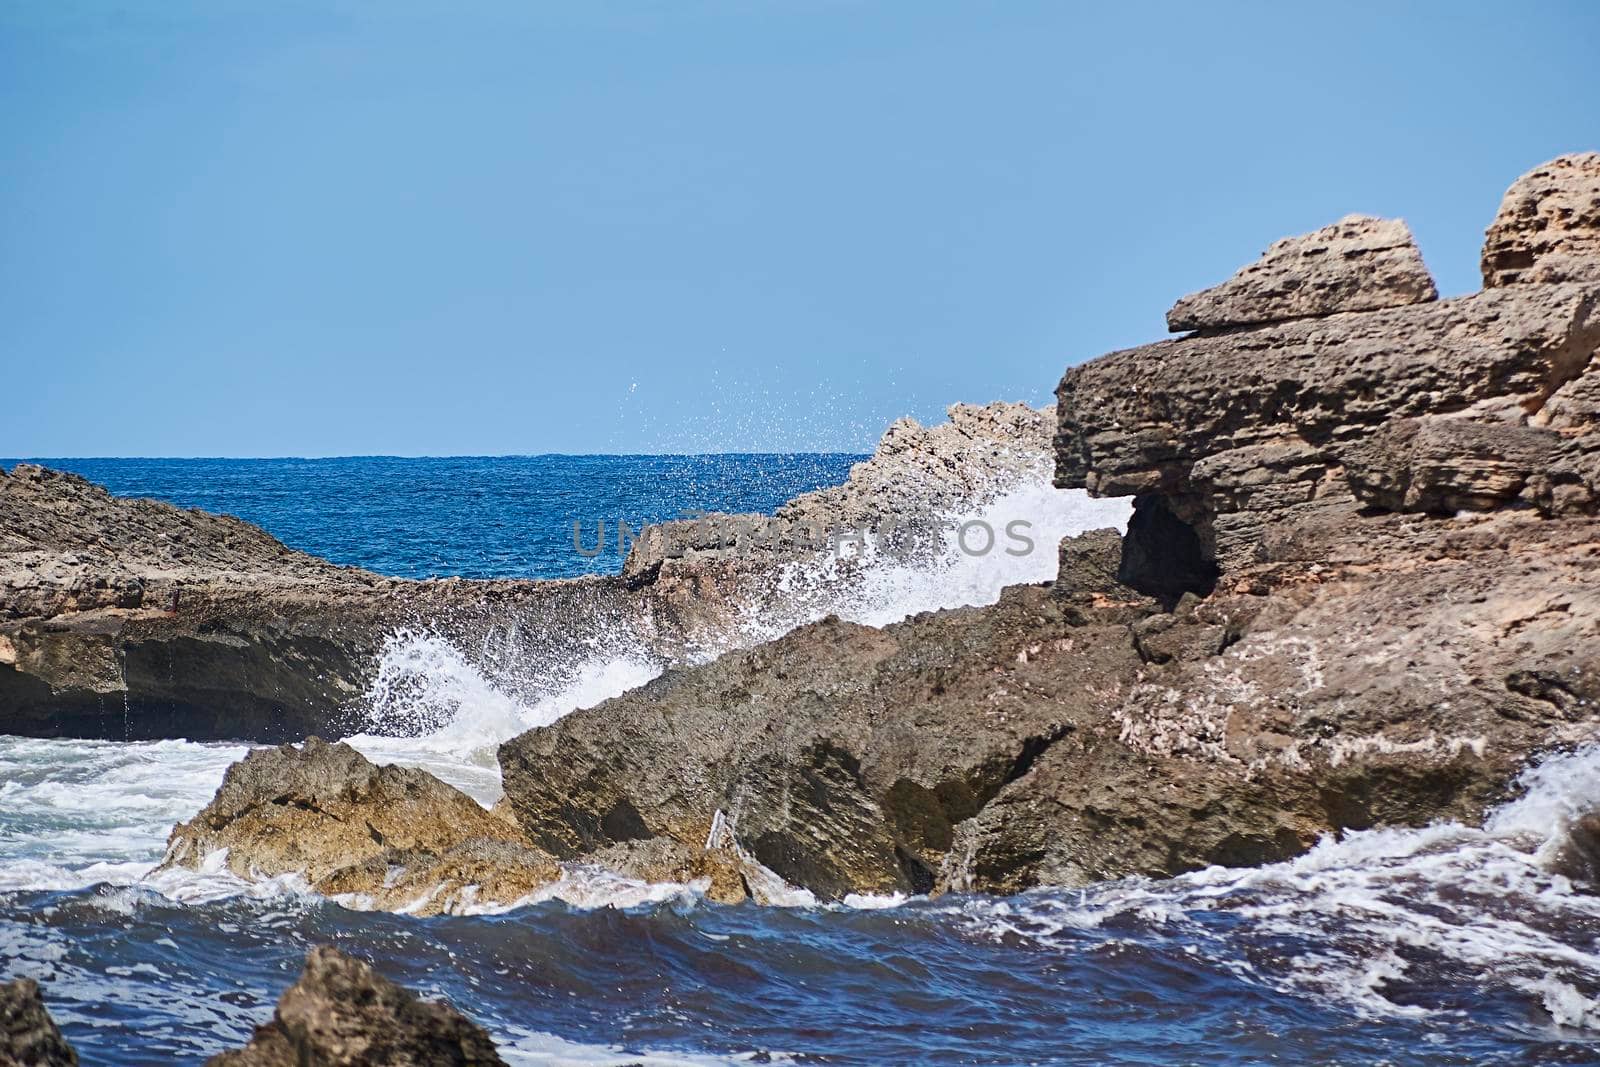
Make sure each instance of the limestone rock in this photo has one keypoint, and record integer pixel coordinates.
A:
(660, 860)
(1548, 226)
(342, 1013)
(1238, 432)
(396, 836)
(915, 474)
(1357, 264)
(1445, 465)
(28, 1036)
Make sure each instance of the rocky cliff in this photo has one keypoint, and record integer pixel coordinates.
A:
(1361, 587)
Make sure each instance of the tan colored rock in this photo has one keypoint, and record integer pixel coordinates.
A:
(1548, 226)
(659, 859)
(342, 1013)
(396, 836)
(1359, 263)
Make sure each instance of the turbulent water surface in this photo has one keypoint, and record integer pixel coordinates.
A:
(1443, 945)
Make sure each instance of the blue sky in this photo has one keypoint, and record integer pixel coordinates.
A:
(403, 228)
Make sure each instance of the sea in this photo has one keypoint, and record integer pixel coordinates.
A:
(1443, 945)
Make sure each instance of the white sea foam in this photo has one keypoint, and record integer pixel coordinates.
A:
(1373, 909)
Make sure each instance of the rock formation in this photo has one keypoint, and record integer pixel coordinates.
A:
(342, 1013)
(915, 474)
(1548, 226)
(397, 838)
(28, 1036)
(1357, 264)
(1361, 587)
(133, 619)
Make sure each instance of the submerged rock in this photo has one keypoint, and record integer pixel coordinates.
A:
(342, 1013)
(1548, 226)
(28, 1036)
(396, 837)
(1357, 264)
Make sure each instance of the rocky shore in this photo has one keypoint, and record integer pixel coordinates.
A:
(132, 619)
(1360, 588)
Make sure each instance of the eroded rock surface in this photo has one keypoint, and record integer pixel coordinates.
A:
(342, 1013)
(915, 474)
(1548, 226)
(28, 1036)
(1358, 264)
(397, 838)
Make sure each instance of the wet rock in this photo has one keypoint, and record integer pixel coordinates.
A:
(397, 837)
(661, 860)
(28, 1036)
(342, 1013)
(1357, 264)
(840, 757)
(1578, 857)
(1548, 227)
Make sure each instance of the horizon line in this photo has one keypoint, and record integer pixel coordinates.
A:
(45, 460)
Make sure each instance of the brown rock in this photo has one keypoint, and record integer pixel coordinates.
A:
(1238, 432)
(1444, 465)
(342, 1013)
(1357, 264)
(1548, 226)
(28, 1036)
(840, 757)
(397, 836)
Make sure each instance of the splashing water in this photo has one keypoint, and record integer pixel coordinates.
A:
(1389, 922)
(434, 706)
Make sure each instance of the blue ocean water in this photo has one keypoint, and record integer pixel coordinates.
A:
(472, 516)
(1447, 945)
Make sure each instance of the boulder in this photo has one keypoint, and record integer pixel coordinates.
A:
(1548, 226)
(28, 1036)
(396, 837)
(1357, 264)
(342, 1013)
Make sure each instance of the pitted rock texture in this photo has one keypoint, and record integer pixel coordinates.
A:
(28, 1036)
(1239, 431)
(1548, 227)
(1359, 263)
(397, 837)
(342, 1013)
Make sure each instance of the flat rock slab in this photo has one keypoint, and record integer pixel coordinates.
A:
(1359, 263)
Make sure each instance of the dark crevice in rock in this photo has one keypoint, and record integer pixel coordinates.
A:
(1163, 556)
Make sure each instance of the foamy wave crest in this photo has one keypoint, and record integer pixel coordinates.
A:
(1391, 922)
